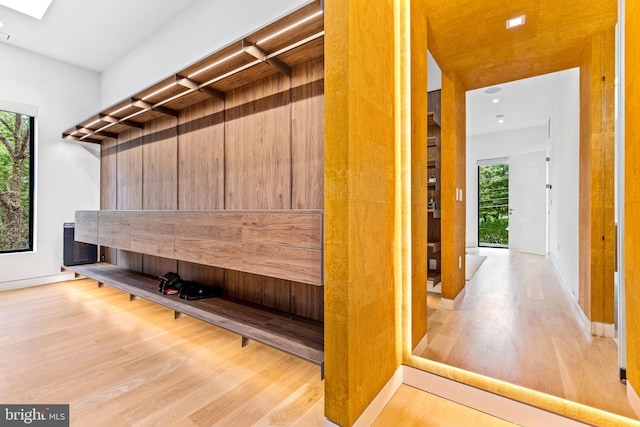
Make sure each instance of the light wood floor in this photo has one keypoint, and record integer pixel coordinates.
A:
(413, 407)
(121, 363)
(516, 323)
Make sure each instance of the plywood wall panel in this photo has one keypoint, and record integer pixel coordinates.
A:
(129, 176)
(86, 229)
(302, 265)
(266, 291)
(160, 164)
(108, 173)
(156, 266)
(205, 274)
(307, 135)
(258, 145)
(201, 156)
(295, 229)
(307, 301)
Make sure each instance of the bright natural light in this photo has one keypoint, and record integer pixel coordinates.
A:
(34, 8)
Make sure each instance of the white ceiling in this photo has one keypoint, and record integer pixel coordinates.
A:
(523, 103)
(89, 33)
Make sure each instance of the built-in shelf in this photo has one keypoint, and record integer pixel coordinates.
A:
(434, 191)
(275, 48)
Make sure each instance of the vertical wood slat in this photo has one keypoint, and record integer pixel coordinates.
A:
(201, 156)
(108, 187)
(307, 128)
(160, 191)
(257, 145)
(129, 186)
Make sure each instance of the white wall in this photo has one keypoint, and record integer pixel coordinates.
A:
(564, 178)
(67, 173)
(491, 146)
(200, 30)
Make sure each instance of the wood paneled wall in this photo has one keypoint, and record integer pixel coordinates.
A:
(596, 210)
(632, 195)
(261, 148)
(453, 171)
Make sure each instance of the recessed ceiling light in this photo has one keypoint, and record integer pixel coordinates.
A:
(495, 100)
(1, 24)
(494, 89)
(500, 118)
(516, 21)
(33, 8)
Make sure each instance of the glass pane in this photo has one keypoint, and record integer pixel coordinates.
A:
(493, 205)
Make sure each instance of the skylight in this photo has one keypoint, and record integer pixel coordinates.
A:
(33, 8)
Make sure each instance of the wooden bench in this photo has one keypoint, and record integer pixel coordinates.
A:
(298, 337)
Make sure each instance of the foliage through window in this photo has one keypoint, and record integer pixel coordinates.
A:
(493, 205)
(16, 181)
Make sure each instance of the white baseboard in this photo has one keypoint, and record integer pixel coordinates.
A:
(599, 329)
(634, 399)
(421, 346)
(36, 281)
(483, 401)
(437, 288)
(453, 304)
(378, 403)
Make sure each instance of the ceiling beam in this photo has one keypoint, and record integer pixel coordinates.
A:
(261, 55)
(147, 106)
(190, 84)
(130, 123)
(75, 138)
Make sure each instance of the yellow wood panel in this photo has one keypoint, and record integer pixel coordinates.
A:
(596, 211)
(632, 195)
(419, 108)
(470, 37)
(453, 172)
(361, 347)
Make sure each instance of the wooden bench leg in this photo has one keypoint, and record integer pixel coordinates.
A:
(322, 371)
(245, 341)
(176, 315)
(132, 297)
(100, 284)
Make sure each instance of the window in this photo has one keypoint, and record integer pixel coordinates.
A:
(16, 181)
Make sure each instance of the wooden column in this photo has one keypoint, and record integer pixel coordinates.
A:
(453, 171)
(596, 211)
(418, 93)
(632, 195)
(362, 346)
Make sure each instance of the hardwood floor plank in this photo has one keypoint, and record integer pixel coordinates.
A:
(429, 410)
(518, 324)
(121, 363)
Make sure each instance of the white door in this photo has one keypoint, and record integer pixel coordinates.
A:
(527, 202)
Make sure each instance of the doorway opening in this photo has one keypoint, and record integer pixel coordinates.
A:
(493, 205)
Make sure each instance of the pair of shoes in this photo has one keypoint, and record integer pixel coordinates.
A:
(192, 290)
(170, 283)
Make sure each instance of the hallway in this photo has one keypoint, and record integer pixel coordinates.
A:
(518, 324)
